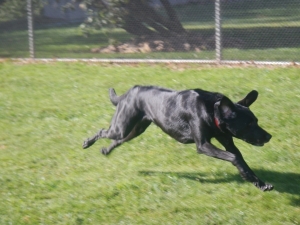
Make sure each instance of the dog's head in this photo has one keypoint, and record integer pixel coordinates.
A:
(239, 121)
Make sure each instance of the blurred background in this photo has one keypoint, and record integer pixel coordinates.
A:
(258, 30)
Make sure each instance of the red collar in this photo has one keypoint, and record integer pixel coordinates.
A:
(217, 123)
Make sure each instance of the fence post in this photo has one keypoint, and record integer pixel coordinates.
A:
(30, 29)
(218, 37)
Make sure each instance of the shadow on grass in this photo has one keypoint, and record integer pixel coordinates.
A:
(284, 182)
(195, 176)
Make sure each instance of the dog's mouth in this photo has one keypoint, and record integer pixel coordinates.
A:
(255, 143)
(259, 144)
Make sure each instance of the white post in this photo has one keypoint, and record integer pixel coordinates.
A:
(30, 29)
(218, 37)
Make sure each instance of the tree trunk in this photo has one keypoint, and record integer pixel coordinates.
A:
(142, 17)
(175, 23)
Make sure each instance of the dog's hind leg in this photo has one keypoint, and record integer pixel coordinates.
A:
(138, 129)
(125, 120)
(100, 134)
(110, 133)
(90, 141)
(119, 128)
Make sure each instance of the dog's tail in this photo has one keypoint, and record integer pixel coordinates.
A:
(113, 97)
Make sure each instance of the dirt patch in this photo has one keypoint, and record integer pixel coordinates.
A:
(180, 43)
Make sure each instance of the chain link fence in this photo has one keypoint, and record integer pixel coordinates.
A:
(220, 30)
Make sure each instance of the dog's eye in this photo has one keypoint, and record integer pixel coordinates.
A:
(251, 124)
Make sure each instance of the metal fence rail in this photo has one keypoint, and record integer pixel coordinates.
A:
(223, 31)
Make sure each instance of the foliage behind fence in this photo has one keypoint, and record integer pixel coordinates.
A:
(265, 30)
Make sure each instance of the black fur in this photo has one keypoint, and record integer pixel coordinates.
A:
(189, 116)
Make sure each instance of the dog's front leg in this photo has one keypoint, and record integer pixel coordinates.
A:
(241, 165)
(210, 150)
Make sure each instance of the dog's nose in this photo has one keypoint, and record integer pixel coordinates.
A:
(268, 137)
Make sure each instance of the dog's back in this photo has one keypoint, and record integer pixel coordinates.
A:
(170, 110)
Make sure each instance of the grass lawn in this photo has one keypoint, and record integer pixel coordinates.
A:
(47, 110)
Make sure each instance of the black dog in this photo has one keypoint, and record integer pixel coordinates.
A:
(189, 116)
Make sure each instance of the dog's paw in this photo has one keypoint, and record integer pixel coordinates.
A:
(267, 187)
(104, 151)
(86, 144)
(264, 186)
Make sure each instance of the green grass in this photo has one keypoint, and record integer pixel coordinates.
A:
(267, 30)
(47, 110)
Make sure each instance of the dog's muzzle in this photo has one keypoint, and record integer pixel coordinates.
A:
(260, 142)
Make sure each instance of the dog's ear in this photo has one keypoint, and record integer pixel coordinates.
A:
(249, 99)
(225, 109)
